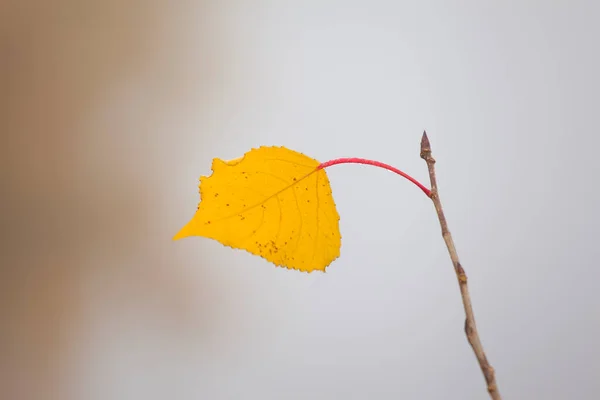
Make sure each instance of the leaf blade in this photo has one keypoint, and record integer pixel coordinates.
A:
(272, 202)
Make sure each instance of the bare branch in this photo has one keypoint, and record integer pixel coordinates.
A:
(470, 327)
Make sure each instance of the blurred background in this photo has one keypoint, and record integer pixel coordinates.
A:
(111, 110)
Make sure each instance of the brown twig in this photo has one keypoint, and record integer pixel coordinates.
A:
(470, 327)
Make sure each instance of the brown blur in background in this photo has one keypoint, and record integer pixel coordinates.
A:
(90, 96)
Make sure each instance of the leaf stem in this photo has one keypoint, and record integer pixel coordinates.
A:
(354, 160)
(470, 327)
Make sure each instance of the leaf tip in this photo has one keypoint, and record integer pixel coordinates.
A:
(178, 236)
(183, 233)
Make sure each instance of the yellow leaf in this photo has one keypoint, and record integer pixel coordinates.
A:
(272, 202)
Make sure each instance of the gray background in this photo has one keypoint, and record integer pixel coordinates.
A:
(113, 109)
